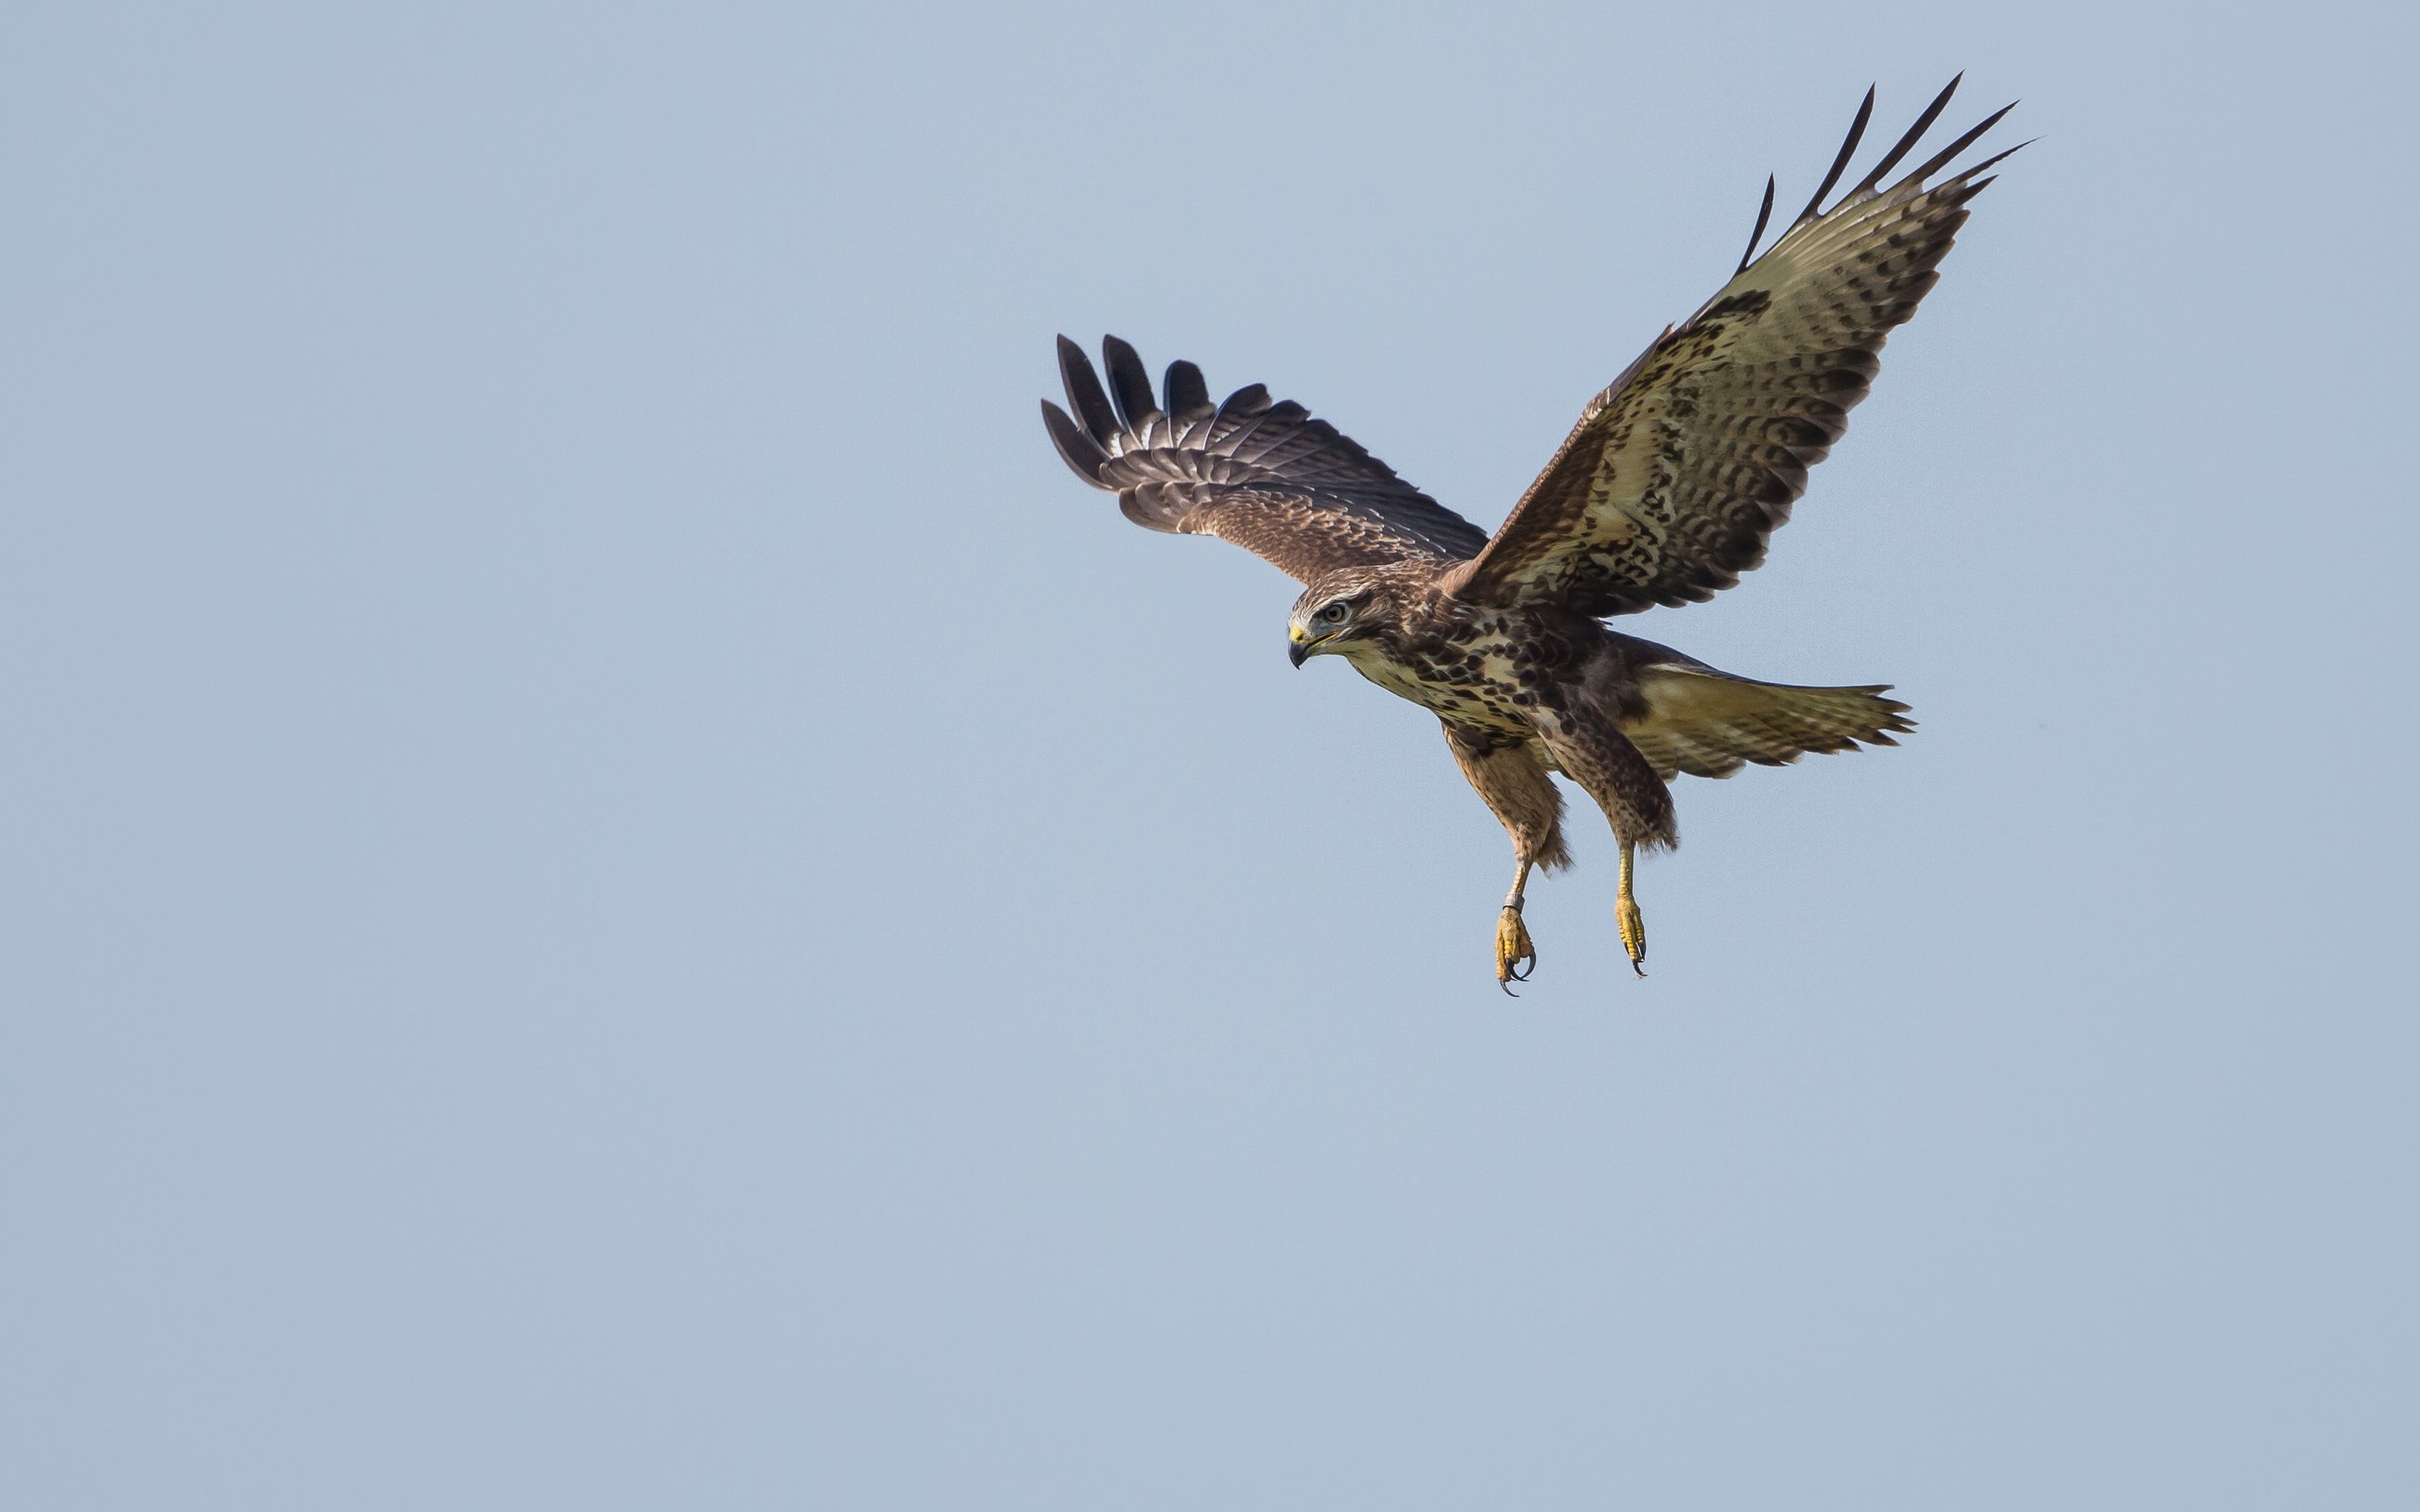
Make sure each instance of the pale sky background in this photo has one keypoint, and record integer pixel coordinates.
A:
(619, 893)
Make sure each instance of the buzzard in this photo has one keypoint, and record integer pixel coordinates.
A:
(1664, 493)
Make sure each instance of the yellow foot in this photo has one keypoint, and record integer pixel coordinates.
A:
(1515, 958)
(1634, 931)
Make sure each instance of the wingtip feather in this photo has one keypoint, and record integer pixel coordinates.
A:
(1130, 385)
(1186, 393)
(1841, 161)
(1075, 448)
(1085, 396)
(1764, 214)
(1939, 160)
(1914, 134)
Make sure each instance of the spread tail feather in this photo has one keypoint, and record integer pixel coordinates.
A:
(1710, 724)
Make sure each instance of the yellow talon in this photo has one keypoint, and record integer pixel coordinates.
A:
(1626, 915)
(1634, 932)
(1515, 958)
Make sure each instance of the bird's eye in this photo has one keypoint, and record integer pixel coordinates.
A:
(1333, 614)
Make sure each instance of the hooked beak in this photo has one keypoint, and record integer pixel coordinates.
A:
(1301, 646)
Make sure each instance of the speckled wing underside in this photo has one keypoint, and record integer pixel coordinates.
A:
(1675, 476)
(1266, 475)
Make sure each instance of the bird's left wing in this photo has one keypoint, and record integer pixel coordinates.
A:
(1667, 490)
(1265, 476)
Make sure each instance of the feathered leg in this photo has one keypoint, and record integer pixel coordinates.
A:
(1512, 779)
(1593, 752)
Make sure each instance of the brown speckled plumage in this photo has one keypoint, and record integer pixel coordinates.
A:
(1664, 493)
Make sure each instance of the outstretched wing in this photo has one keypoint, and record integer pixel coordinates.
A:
(1668, 488)
(1265, 476)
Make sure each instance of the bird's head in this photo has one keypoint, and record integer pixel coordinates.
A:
(1339, 612)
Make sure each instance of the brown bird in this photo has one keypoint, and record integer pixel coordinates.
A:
(1664, 493)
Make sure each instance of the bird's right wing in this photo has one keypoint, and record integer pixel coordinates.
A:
(1266, 475)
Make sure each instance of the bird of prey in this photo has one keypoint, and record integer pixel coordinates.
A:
(1664, 493)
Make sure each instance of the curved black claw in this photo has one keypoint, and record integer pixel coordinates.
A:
(1634, 931)
(1515, 958)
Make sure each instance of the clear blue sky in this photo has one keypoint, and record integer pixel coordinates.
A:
(618, 893)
